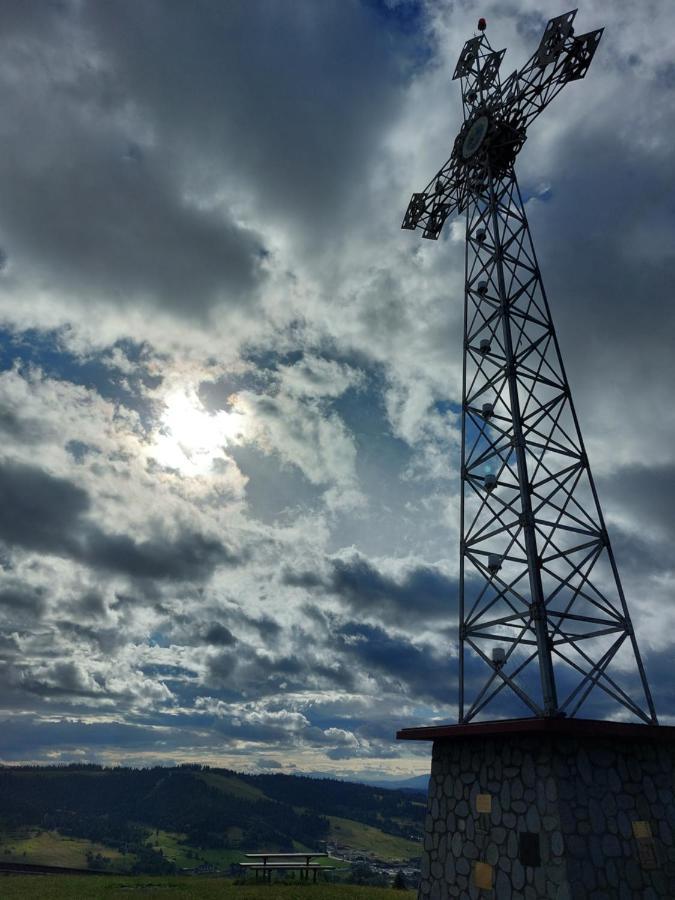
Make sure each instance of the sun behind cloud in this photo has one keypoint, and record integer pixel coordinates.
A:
(190, 438)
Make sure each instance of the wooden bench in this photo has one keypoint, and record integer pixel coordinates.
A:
(284, 862)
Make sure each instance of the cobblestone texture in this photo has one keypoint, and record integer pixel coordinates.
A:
(580, 796)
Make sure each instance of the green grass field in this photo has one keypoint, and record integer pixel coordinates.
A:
(173, 848)
(107, 887)
(53, 849)
(364, 837)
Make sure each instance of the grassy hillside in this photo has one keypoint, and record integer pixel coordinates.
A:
(49, 848)
(358, 836)
(176, 888)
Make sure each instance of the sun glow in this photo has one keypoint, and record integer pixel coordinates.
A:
(190, 439)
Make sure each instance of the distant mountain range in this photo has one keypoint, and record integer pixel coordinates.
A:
(417, 783)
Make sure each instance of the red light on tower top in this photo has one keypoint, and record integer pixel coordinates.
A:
(482, 24)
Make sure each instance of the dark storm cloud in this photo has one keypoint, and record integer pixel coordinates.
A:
(42, 513)
(644, 532)
(118, 148)
(659, 667)
(21, 602)
(266, 762)
(257, 674)
(64, 678)
(265, 626)
(305, 579)
(91, 604)
(612, 306)
(422, 591)
(191, 556)
(220, 625)
(18, 18)
(288, 96)
(19, 733)
(127, 236)
(414, 670)
(640, 555)
(37, 510)
(85, 207)
(645, 494)
(107, 639)
(221, 667)
(219, 635)
(147, 244)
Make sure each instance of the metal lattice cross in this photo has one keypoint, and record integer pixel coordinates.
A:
(542, 609)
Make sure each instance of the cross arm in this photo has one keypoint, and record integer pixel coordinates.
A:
(443, 196)
(561, 57)
(478, 67)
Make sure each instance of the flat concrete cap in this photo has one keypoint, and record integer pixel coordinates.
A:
(586, 728)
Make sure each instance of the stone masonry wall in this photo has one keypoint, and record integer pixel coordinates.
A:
(598, 816)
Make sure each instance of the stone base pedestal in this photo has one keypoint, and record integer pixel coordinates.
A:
(539, 808)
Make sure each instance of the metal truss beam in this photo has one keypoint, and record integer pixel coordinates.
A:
(537, 568)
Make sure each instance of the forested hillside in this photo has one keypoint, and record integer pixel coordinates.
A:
(122, 808)
(396, 812)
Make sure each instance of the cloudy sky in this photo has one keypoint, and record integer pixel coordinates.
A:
(229, 382)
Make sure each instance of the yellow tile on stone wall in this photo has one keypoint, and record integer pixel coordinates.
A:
(482, 875)
(484, 803)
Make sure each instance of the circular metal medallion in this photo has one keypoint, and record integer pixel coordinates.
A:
(475, 137)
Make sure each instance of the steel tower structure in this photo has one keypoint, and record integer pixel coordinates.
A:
(541, 607)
